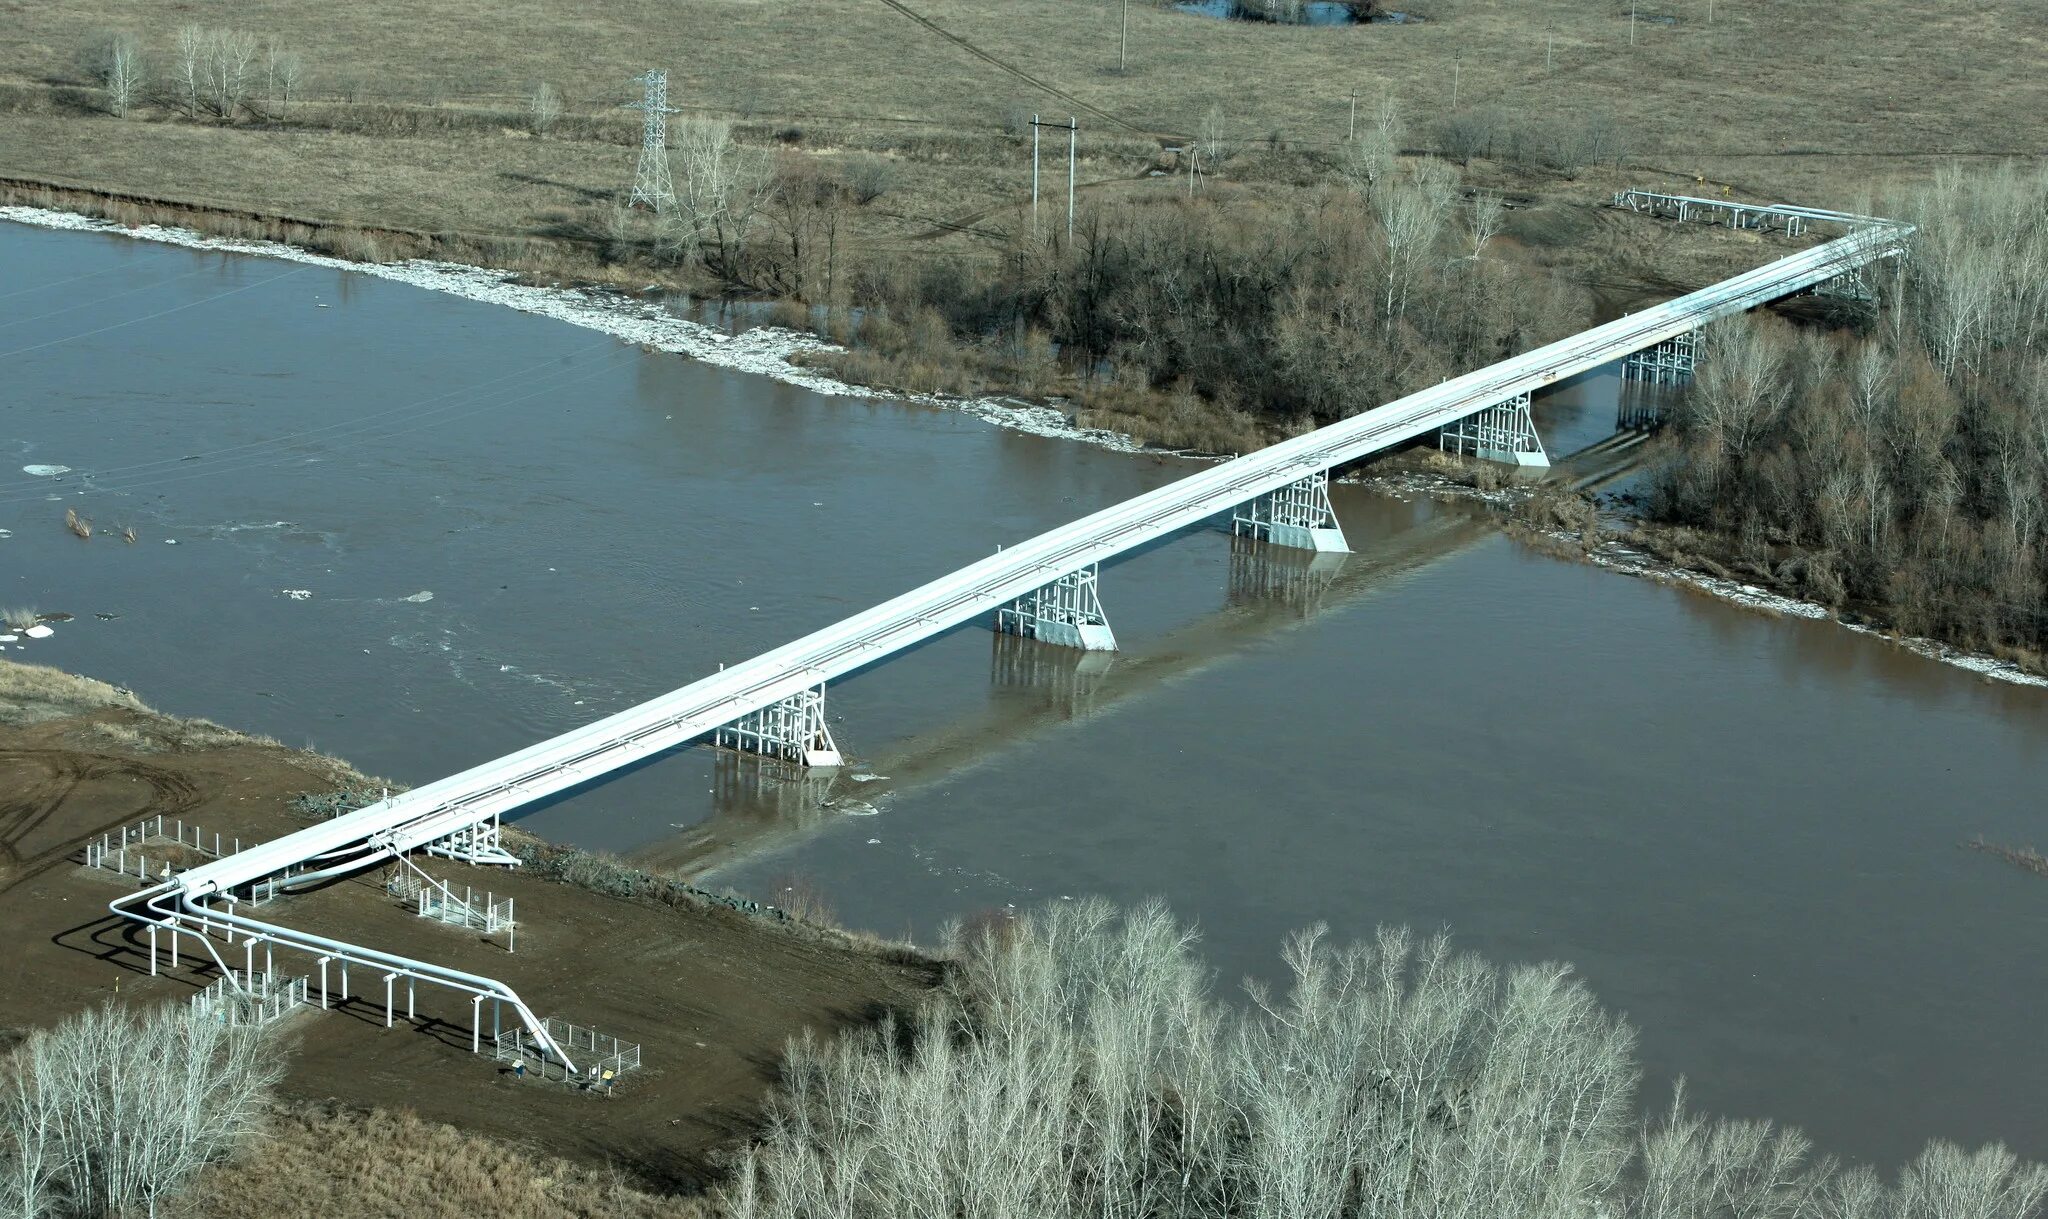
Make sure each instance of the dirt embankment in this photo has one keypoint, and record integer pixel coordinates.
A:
(711, 994)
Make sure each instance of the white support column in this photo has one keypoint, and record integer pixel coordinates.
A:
(1297, 515)
(476, 1024)
(1502, 432)
(323, 982)
(793, 729)
(1668, 363)
(388, 997)
(1067, 612)
(152, 949)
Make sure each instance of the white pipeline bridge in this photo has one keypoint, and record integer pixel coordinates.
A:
(1044, 587)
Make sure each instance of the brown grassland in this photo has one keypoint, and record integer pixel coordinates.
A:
(1800, 100)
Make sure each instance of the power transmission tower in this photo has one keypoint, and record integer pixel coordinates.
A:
(651, 184)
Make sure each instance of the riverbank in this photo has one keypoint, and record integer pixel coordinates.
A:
(768, 351)
(778, 353)
(1611, 536)
(710, 992)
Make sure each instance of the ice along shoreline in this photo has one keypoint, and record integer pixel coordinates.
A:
(767, 351)
(763, 350)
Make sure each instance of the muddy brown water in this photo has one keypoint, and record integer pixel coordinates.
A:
(1743, 830)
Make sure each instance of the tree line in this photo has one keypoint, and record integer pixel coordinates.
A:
(1076, 1064)
(1904, 470)
(1190, 320)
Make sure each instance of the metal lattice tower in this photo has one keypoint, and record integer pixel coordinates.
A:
(651, 184)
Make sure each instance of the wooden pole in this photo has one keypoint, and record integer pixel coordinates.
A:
(1354, 116)
(1123, 44)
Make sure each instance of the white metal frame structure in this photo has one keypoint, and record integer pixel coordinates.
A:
(1503, 432)
(1297, 515)
(792, 677)
(1067, 611)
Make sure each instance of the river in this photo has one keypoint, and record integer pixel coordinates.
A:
(417, 531)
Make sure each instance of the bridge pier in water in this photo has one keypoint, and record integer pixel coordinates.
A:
(1297, 515)
(1668, 363)
(793, 730)
(1067, 612)
(1502, 432)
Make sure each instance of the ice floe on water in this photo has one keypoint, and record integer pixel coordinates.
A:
(39, 631)
(297, 594)
(419, 597)
(765, 350)
(46, 471)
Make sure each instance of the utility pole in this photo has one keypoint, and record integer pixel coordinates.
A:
(1034, 175)
(1123, 42)
(651, 184)
(1073, 140)
(1073, 129)
(1354, 114)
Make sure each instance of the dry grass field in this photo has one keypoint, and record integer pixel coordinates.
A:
(1802, 100)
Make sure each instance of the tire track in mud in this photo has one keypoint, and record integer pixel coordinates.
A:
(28, 806)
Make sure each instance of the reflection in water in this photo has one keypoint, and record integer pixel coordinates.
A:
(1041, 686)
(1743, 830)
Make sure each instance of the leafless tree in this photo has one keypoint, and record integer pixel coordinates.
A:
(127, 1105)
(1488, 214)
(1075, 1065)
(230, 56)
(544, 108)
(719, 191)
(284, 73)
(118, 63)
(1213, 135)
(1412, 213)
(190, 67)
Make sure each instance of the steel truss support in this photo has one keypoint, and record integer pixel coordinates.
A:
(1850, 285)
(477, 843)
(1668, 363)
(1067, 611)
(793, 729)
(1502, 432)
(1297, 515)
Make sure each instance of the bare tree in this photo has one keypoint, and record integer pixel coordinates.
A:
(1488, 214)
(1213, 135)
(283, 74)
(119, 65)
(719, 190)
(190, 67)
(1412, 214)
(230, 55)
(544, 108)
(130, 1104)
